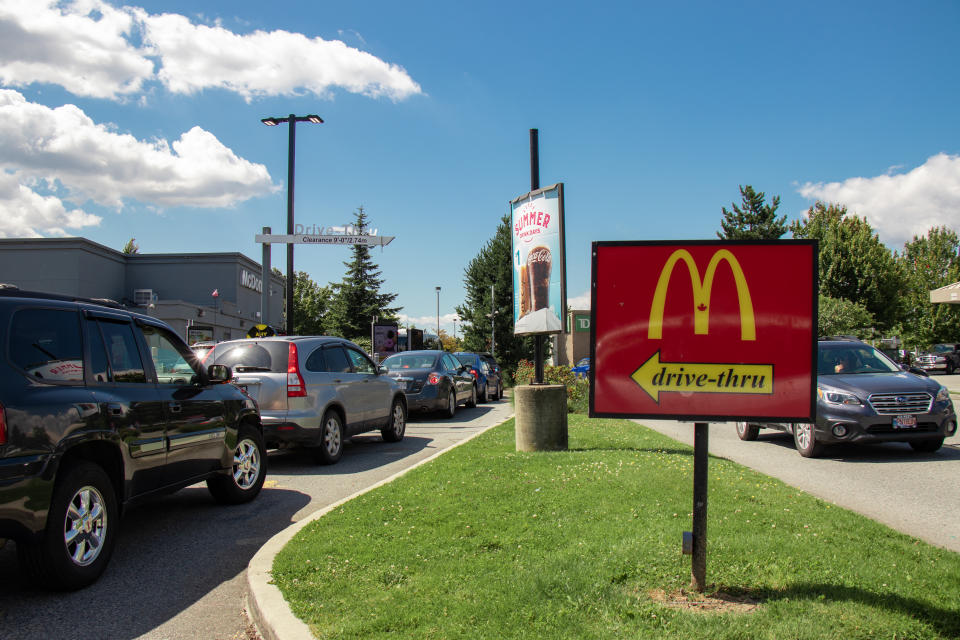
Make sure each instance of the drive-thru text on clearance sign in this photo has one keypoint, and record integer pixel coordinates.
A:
(704, 330)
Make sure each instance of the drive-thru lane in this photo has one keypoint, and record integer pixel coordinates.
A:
(179, 570)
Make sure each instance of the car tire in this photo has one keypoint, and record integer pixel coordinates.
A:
(804, 437)
(247, 473)
(927, 446)
(472, 402)
(451, 409)
(747, 431)
(500, 390)
(950, 368)
(82, 527)
(331, 439)
(397, 425)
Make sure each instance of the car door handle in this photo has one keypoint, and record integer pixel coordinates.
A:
(175, 407)
(114, 409)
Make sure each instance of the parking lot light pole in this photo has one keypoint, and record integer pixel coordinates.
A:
(292, 121)
(438, 318)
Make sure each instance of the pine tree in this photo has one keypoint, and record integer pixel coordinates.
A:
(753, 220)
(357, 298)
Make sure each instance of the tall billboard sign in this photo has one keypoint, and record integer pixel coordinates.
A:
(539, 261)
(709, 330)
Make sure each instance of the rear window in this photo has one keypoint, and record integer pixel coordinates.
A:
(46, 343)
(270, 356)
(466, 359)
(407, 361)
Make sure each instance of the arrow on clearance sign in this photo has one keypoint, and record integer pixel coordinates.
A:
(655, 377)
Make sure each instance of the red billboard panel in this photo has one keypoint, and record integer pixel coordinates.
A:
(709, 330)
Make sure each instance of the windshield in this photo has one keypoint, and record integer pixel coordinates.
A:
(942, 348)
(852, 358)
(408, 361)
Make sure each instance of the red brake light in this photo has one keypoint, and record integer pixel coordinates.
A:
(3, 425)
(475, 374)
(296, 388)
(433, 379)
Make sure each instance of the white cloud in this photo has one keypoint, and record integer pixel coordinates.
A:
(92, 49)
(25, 213)
(580, 302)
(899, 206)
(196, 57)
(93, 162)
(82, 46)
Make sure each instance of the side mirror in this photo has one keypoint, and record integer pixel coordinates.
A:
(382, 371)
(219, 373)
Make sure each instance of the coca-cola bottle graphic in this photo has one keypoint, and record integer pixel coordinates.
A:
(539, 265)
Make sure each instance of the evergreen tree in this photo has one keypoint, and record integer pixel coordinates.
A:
(357, 298)
(753, 220)
(853, 264)
(493, 266)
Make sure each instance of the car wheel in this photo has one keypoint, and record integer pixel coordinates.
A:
(805, 439)
(950, 368)
(397, 426)
(81, 531)
(483, 396)
(472, 402)
(451, 405)
(927, 446)
(500, 390)
(247, 473)
(747, 431)
(331, 438)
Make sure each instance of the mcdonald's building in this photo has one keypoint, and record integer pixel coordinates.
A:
(203, 296)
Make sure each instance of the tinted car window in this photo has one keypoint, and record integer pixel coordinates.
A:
(122, 353)
(316, 361)
(98, 353)
(170, 364)
(361, 363)
(336, 360)
(451, 363)
(466, 359)
(252, 356)
(46, 343)
(406, 361)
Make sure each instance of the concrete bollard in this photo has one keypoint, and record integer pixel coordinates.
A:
(541, 417)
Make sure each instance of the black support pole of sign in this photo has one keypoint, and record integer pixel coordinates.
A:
(700, 441)
(534, 185)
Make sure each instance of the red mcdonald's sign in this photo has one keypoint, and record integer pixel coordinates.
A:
(704, 330)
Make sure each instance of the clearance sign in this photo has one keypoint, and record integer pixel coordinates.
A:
(710, 330)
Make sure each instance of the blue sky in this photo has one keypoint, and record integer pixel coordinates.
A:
(143, 121)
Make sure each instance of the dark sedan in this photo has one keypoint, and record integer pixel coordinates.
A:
(432, 380)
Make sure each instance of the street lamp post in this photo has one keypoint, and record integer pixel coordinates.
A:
(455, 330)
(292, 121)
(438, 318)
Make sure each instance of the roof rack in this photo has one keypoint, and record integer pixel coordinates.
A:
(841, 338)
(13, 291)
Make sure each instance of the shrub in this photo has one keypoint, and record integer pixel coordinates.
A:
(578, 389)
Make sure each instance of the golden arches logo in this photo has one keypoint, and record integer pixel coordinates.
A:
(701, 294)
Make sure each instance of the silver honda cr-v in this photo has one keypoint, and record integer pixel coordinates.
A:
(314, 391)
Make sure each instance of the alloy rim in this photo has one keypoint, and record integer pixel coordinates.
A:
(246, 464)
(331, 436)
(398, 424)
(85, 526)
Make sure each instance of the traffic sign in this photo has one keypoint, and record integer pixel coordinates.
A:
(704, 330)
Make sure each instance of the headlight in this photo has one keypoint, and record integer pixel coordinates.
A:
(943, 394)
(832, 396)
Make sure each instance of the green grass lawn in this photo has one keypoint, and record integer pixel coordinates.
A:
(486, 542)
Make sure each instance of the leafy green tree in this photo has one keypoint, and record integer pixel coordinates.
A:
(839, 317)
(493, 266)
(131, 247)
(310, 303)
(853, 264)
(929, 263)
(357, 298)
(753, 220)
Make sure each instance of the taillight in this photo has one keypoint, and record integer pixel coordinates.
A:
(295, 385)
(433, 379)
(3, 425)
(475, 374)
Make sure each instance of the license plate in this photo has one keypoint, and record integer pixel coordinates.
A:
(904, 422)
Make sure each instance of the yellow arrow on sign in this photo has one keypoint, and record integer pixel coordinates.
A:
(655, 377)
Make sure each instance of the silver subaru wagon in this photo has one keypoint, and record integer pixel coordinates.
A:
(314, 391)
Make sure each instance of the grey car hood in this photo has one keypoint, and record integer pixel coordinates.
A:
(867, 383)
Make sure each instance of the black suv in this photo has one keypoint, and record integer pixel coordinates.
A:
(100, 408)
(864, 397)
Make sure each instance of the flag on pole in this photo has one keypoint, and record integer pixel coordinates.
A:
(216, 293)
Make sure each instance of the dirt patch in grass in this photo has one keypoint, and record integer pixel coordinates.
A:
(717, 602)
